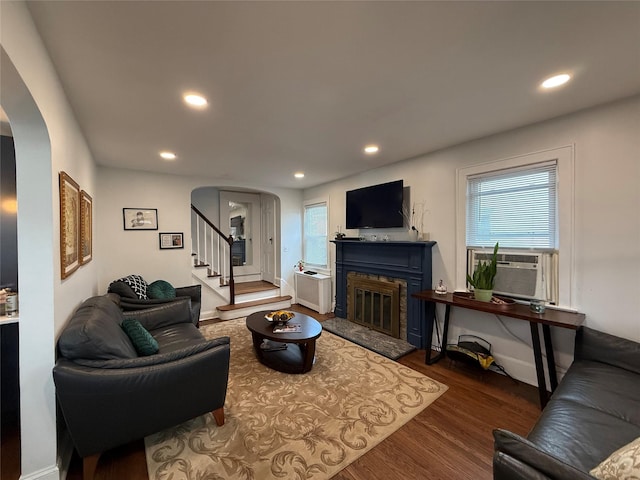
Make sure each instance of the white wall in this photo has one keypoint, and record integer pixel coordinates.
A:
(48, 140)
(127, 252)
(607, 223)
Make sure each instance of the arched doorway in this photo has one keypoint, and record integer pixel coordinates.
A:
(35, 273)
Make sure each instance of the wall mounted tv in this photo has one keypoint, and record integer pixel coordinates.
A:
(377, 206)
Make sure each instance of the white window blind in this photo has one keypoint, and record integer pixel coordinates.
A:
(516, 207)
(315, 234)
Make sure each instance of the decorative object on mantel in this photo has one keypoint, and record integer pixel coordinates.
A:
(484, 277)
(415, 220)
(340, 234)
(441, 289)
(299, 265)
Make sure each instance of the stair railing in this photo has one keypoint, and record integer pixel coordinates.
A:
(209, 249)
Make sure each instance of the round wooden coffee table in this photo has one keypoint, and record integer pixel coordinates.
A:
(291, 352)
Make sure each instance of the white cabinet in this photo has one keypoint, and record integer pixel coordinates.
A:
(314, 291)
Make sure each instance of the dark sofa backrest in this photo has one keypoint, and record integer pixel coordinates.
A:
(94, 333)
(602, 347)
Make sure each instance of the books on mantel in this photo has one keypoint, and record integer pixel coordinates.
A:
(287, 328)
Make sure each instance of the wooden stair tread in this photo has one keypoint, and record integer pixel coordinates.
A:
(254, 287)
(263, 301)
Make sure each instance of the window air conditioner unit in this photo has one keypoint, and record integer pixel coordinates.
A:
(524, 275)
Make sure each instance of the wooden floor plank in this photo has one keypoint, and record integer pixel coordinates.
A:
(449, 440)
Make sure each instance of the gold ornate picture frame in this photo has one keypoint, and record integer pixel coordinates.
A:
(86, 217)
(69, 225)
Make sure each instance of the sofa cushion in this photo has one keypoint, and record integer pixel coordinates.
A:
(161, 289)
(176, 336)
(137, 287)
(623, 464)
(94, 332)
(142, 340)
(612, 390)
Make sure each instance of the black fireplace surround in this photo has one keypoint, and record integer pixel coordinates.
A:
(409, 261)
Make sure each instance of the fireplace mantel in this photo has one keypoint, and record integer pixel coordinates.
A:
(410, 261)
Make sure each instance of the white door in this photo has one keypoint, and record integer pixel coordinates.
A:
(240, 217)
(268, 238)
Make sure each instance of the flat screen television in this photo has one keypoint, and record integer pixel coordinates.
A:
(377, 206)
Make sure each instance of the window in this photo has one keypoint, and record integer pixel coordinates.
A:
(315, 234)
(515, 207)
(523, 202)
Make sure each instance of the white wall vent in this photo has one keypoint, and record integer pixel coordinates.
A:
(314, 291)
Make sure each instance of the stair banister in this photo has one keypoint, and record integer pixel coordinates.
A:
(229, 240)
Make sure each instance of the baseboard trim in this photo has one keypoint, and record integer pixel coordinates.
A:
(65, 452)
(49, 473)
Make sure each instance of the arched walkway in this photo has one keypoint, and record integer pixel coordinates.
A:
(36, 275)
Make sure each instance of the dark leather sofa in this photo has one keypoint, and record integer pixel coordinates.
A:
(110, 396)
(594, 411)
(129, 300)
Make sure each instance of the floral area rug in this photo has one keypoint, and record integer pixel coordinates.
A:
(284, 426)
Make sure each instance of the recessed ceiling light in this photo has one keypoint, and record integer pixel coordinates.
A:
(371, 149)
(168, 155)
(299, 175)
(556, 80)
(195, 100)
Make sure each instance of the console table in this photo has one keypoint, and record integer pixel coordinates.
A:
(550, 318)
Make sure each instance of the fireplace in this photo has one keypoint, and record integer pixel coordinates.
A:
(378, 302)
(406, 263)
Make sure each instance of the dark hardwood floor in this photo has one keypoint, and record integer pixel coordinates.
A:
(450, 440)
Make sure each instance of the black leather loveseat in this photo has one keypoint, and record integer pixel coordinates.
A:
(594, 412)
(110, 395)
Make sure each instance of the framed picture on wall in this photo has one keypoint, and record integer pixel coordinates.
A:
(140, 218)
(86, 223)
(69, 225)
(171, 240)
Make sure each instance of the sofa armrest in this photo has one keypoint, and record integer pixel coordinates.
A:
(164, 314)
(605, 348)
(104, 408)
(193, 291)
(525, 452)
(505, 467)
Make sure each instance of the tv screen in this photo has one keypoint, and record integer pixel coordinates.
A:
(378, 206)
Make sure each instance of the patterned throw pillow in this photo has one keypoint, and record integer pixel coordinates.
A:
(142, 340)
(623, 464)
(161, 289)
(137, 284)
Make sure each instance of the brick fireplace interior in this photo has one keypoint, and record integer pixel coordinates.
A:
(378, 302)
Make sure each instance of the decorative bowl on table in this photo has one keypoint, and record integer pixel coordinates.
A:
(280, 316)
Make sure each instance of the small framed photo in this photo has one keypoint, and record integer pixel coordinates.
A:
(86, 216)
(171, 240)
(140, 218)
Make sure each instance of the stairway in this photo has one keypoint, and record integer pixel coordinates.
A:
(251, 295)
(213, 267)
(254, 296)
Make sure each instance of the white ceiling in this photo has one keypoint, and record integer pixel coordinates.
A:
(305, 85)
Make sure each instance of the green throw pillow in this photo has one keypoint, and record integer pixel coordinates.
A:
(161, 289)
(142, 340)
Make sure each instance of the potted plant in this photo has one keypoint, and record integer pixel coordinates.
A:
(484, 277)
